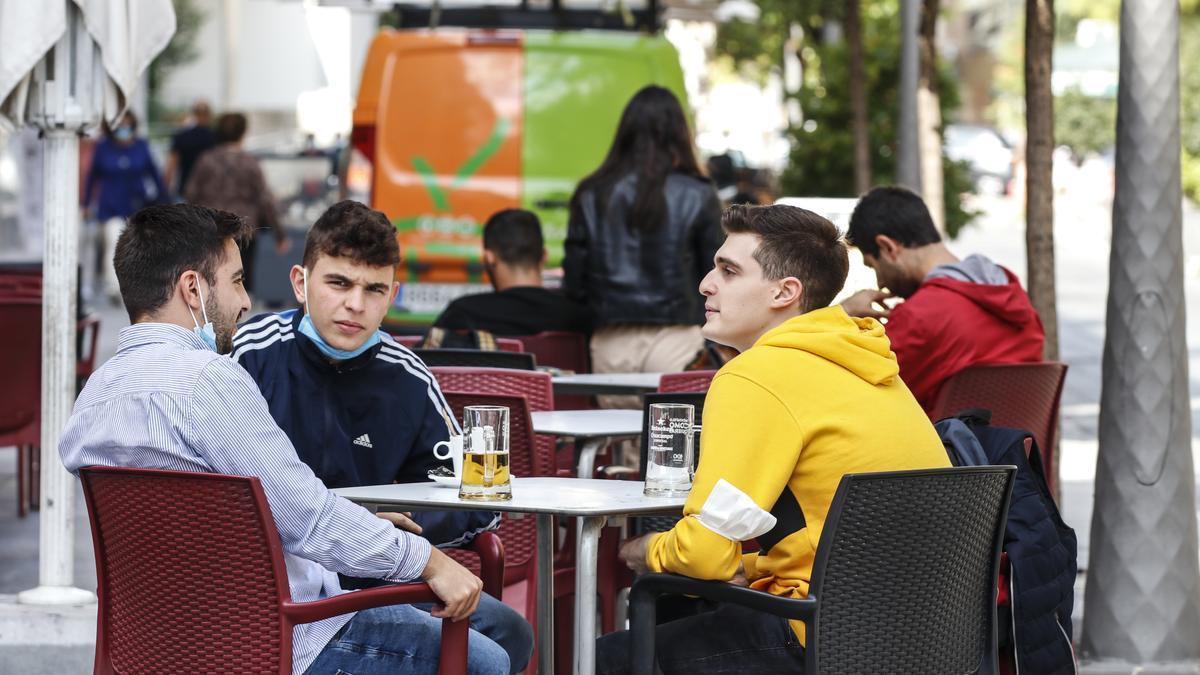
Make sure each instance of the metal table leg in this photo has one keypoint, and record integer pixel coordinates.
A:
(545, 593)
(585, 594)
(587, 456)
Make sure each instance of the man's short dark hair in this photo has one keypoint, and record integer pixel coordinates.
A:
(515, 236)
(351, 230)
(231, 127)
(795, 243)
(893, 212)
(162, 242)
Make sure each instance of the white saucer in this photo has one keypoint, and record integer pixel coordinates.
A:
(446, 481)
(451, 481)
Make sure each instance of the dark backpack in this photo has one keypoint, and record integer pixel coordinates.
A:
(1041, 548)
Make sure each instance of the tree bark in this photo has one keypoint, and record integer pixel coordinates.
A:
(858, 100)
(929, 116)
(1039, 149)
(1143, 582)
(908, 137)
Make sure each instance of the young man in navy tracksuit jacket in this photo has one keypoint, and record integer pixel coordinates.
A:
(360, 408)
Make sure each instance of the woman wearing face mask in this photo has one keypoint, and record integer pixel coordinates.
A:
(118, 184)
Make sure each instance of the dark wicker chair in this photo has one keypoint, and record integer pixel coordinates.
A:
(904, 580)
(1019, 395)
(190, 578)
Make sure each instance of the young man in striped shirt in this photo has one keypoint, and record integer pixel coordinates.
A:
(360, 408)
(168, 400)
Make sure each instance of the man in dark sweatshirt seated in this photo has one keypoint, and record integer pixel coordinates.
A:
(956, 313)
(514, 254)
(360, 408)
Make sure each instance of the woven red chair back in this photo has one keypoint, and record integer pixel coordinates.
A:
(685, 382)
(1020, 395)
(21, 364)
(510, 345)
(190, 573)
(410, 341)
(536, 387)
(558, 349)
(21, 282)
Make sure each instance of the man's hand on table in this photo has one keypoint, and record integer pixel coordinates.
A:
(457, 588)
(868, 304)
(633, 553)
(401, 520)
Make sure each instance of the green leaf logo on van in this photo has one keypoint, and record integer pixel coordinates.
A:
(440, 196)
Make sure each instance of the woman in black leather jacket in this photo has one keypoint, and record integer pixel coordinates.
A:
(643, 231)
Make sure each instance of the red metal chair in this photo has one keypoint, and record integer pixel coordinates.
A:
(190, 578)
(565, 351)
(21, 395)
(685, 382)
(21, 362)
(1020, 395)
(1023, 396)
(559, 349)
(520, 534)
(410, 341)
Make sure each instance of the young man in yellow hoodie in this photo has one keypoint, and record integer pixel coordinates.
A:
(814, 395)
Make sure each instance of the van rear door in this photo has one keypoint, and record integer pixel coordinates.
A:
(448, 145)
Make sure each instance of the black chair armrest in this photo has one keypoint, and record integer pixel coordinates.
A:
(648, 587)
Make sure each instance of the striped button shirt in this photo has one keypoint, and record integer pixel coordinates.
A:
(164, 401)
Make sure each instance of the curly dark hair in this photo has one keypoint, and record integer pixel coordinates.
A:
(349, 229)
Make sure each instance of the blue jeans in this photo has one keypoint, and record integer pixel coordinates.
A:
(728, 639)
(405, 639)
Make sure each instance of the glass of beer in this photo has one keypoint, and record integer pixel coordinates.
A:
(485, 474)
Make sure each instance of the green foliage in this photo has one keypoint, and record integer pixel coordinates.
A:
(822, 157)
(180, 51)
(1085, 124)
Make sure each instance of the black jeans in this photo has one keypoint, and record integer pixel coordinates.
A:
(728, 639)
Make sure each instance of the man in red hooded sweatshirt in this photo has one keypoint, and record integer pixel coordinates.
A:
(956, 313)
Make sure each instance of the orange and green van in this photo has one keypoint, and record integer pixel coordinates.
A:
(454, 124)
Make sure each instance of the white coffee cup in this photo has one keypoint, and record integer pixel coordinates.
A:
(453, 452)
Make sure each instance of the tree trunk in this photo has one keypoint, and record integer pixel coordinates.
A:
(908, 137)
(1039, 149)
(858, 100)
(929, 117)
(1143, 583)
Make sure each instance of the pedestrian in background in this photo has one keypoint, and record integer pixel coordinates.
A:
(122, 178)
(643, 230)
(187, 145)
(230, 179)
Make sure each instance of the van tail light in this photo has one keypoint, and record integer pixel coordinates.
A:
(360, 168)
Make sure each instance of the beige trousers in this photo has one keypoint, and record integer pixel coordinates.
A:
(642, 349)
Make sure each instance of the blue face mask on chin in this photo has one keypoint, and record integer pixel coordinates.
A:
(308, 330)
(206, 333)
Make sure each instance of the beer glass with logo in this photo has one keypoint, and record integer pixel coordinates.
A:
(485, 475)
(669, 460)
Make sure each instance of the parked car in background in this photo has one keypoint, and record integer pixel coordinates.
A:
(988, 154)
